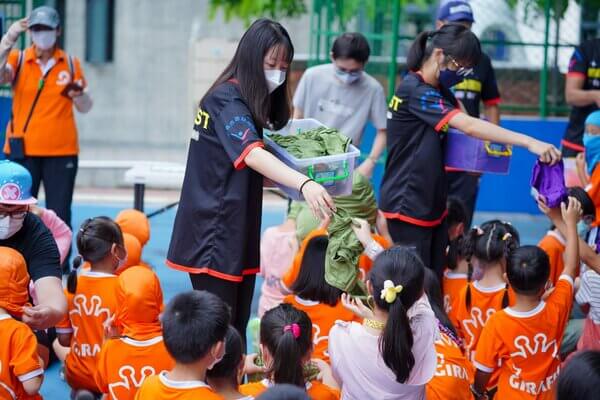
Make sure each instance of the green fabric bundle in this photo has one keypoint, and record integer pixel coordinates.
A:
(344, 249)
(316, 142)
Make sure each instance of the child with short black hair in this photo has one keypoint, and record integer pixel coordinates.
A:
(194, 324)
(21, 369)
(580, 377)
(523, 340)
(225, 377)
(286, 346)
(316, 297)
(91, 301)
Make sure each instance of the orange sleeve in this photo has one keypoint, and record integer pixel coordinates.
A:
(488, 347)
(555, 255)
(593, 189)
(13, 59)
(26, 363)
(78, 72)
(292, 273)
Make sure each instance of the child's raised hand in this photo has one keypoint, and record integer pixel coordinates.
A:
(362, 230)
(571, 212)
(250, 366)
(356, 306)
(552, 213)
(325, 373)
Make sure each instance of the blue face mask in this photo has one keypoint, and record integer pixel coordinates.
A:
(348, 77)
(449, 78)
(592, 151)
(583, 229)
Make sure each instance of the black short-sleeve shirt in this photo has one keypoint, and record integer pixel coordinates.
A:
(585, 63)
(217, 226)
(35, 242)
(414, 187)
(479, 86)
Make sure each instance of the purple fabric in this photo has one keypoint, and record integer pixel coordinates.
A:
(549, 181)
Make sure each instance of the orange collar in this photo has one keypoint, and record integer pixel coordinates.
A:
(29, 54)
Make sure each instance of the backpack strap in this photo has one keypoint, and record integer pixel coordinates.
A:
(71, 68)
(18, 68)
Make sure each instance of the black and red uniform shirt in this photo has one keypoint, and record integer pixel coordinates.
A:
(414, 187)
(479, 86)
(217, 227)
(584, 63)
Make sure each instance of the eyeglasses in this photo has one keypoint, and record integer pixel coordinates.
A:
(460, 70)
(13, 214)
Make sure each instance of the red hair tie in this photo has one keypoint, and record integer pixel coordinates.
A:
(295, 328)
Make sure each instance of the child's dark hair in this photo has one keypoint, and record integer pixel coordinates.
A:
(351, 45)
(587, 204)
(528, 269)
(284, 392)
(457, 248)
(227, 368)
(457, 212)
(456, 40)
(95, 240)
(247, 66)
(310, 283)
(580, 377)
(287, 334)
(493, 242)
(192, 323)
(403, 267)
(434, 294)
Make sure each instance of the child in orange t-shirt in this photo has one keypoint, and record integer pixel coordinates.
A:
(136, 224)
(313, 295)
(489, 246)
(454, 278)
(124, 362)
(554, 243)
(21, 369)
(194, 324)
(524, 339)
(454, 373)
(286, 347)
(91, 301)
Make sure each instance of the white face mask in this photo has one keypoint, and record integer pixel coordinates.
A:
(9, 226)
(275, 78)
(43, 40)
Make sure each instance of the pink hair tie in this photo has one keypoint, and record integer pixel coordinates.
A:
(295, 328)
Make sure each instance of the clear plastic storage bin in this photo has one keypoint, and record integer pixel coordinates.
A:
(333, 172)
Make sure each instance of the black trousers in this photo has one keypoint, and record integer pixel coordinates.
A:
(58, 175)
(238, 295)
(464, 186)
(429, 243)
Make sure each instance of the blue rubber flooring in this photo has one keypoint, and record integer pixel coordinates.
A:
(531, 228)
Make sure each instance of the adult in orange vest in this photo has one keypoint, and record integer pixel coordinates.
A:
(47, 83)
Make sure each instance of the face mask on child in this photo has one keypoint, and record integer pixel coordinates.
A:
(583, 229)
(592, 151)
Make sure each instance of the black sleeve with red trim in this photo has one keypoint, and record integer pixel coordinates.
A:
(236, 131)
(578, 64)
(431, 107)
(490, 95)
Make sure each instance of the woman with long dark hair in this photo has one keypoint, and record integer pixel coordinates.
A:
(414, 187)
(217, 228)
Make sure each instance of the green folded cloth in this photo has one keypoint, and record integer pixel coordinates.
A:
(314, 143)
(344, 249)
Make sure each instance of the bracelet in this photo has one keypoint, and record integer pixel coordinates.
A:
(305, 182)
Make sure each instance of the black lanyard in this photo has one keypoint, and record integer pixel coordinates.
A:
(41, 84)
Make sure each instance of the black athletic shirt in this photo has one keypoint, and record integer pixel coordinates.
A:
(35, 242)
(478, 86)
(414, 187)
(585, 63)
(217, 227)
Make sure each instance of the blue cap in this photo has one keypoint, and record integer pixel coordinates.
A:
(15, 184)
(593, 118)
(453, 11)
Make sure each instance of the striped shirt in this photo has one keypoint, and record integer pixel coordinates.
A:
(589, 293)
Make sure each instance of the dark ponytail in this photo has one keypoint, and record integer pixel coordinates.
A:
(494, 241)
(403, 267)
(287, 334)
(454, 39)
(95, 239)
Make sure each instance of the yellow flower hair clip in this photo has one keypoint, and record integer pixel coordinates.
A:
(390, 291)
